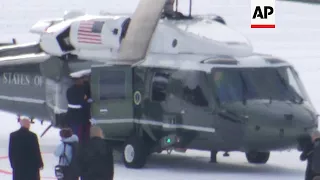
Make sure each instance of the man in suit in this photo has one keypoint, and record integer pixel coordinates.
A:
(24, 153)
(307, 146)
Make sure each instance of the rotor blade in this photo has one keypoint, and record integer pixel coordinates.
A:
(46, 130)
(142, 26)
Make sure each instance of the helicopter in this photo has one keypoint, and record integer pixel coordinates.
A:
(160, 83)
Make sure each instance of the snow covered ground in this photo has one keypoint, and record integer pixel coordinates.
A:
(296, 38)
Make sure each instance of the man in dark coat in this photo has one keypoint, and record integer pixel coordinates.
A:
(311, 153)
(307, 151)
(24, 153)
(96, 158)
(315, 164)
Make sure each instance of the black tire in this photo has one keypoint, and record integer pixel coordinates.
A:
(258, 157)
(134, 153)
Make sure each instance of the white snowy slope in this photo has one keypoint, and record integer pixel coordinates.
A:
(296, 38)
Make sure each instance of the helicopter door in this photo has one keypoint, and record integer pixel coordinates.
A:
(230, 113)
(111, 89)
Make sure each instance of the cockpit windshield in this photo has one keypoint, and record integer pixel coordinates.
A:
(233, 84)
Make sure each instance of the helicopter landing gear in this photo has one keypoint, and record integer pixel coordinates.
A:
(226, 154)
(213, 156)
(169, 151)
(134, 153)
(258, 157)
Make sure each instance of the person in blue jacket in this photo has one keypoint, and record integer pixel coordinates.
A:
(66, 153)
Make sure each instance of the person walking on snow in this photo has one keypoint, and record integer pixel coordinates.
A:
(67, 154)
(24, 153)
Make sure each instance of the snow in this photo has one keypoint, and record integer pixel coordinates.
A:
(296, 38)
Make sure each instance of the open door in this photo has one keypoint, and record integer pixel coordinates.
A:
(111, 91)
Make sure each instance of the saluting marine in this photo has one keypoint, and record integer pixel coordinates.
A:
(77, 102)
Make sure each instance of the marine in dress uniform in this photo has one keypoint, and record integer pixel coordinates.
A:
(77, 102)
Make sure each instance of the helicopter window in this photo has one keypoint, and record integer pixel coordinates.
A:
(159, 86)
(266, 83)
(263, 83)
(228, 85)
(257, 83)
(112, 85)
(192, 93)
(292, 82)
(195, 96)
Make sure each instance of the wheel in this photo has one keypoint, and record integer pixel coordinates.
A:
(134, 153)
(258, 157)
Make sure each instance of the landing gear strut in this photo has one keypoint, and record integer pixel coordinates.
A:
(213, 156)
(46, 130)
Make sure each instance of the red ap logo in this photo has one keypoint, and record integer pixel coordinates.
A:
(263, 14)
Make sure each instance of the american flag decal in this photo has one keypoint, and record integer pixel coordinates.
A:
(90, 32)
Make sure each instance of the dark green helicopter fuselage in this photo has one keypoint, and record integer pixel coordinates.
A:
(260, 108)
(218, 103)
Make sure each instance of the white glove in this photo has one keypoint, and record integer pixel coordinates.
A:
(93, 121)
(90, 100)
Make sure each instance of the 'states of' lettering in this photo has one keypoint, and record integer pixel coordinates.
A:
(21, 79)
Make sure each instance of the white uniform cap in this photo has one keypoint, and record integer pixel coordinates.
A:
(81, 73)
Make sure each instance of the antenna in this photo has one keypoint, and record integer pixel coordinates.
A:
(143, 23)
(177, 5)
(190, 7)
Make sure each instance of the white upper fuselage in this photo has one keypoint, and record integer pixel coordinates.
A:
(196, 36)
